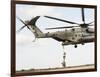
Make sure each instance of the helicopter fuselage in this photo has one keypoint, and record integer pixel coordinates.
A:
(72, 36)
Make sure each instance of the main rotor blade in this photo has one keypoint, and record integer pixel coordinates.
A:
(61, 27)
(61, 20)
(83, 17)
(90, 25)
(91, 22)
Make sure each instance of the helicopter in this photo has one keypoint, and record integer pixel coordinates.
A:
(79, 34)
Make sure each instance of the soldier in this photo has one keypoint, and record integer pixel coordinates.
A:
(64, 63)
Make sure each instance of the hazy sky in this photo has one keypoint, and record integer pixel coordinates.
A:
(47, 53)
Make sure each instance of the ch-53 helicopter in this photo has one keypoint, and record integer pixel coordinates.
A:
(74, 35)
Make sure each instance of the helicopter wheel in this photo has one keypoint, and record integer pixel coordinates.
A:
(75, 46)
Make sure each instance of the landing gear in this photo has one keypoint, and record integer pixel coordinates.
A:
(82, 43)
(75, 46)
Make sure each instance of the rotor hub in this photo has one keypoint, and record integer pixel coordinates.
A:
(84, 25)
